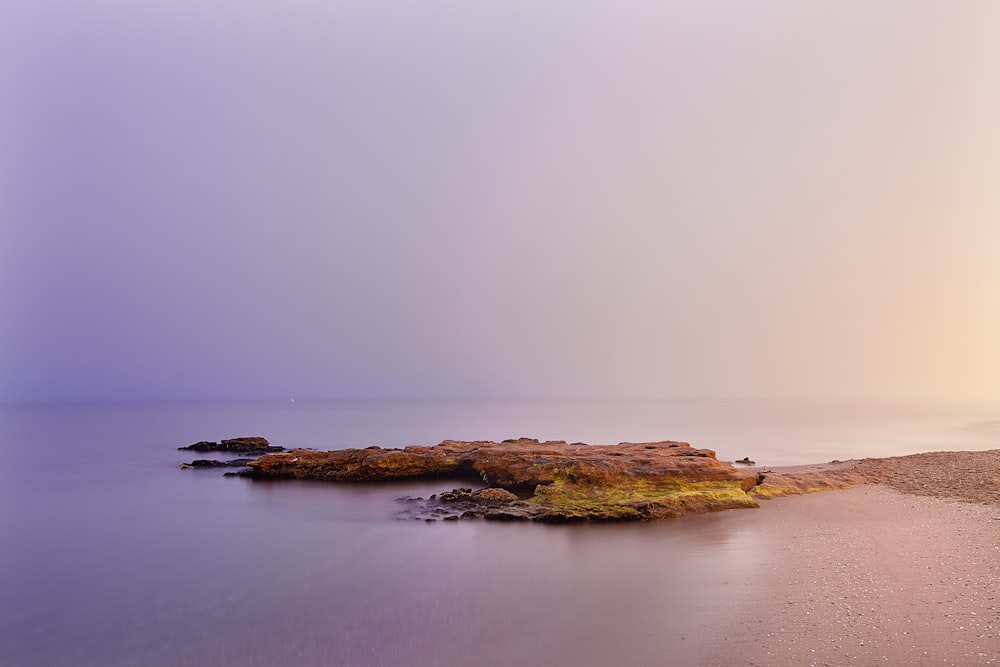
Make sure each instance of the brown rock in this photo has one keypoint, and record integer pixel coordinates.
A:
(489, 497)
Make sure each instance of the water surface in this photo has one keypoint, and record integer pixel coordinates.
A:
(112, 556)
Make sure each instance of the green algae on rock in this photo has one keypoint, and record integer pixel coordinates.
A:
(566, 501)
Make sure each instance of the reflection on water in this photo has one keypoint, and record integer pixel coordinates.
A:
(110, 555)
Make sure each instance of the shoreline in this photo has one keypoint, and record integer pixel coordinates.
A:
(971, 476)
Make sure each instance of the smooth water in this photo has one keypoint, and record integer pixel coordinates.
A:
(110, 555)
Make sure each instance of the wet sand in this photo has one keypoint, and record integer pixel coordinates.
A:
(866, 576)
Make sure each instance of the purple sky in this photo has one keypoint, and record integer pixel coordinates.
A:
(519, 198)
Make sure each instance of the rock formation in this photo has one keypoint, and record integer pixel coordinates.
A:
(542, 481)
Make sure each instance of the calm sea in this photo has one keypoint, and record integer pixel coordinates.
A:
(110, 555)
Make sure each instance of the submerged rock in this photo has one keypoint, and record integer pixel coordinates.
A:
(216, 463)
(542, 481)
(235, 446)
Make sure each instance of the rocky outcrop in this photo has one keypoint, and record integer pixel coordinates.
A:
(254, 446)
(543, 481)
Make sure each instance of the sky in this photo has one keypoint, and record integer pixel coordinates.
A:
(518, 198)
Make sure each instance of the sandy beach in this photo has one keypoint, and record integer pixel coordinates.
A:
(872, 575)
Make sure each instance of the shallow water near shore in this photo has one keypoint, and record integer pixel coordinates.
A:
(112, 556)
